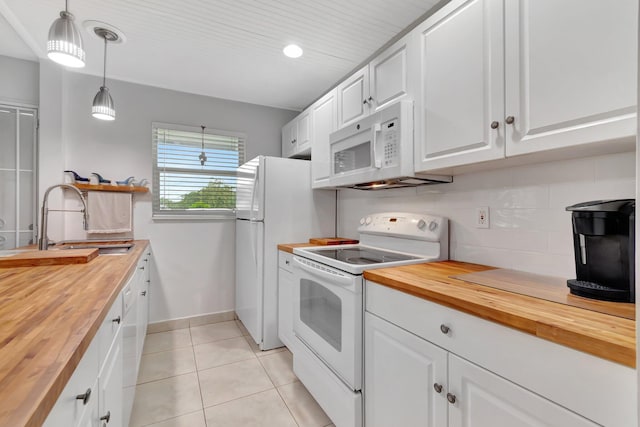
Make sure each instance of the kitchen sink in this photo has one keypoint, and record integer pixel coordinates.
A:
(103, 249)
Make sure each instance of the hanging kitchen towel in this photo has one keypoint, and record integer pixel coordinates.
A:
(109, 212)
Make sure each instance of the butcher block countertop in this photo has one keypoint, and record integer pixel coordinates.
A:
(604, 335)
(288, 247)
(48, 317)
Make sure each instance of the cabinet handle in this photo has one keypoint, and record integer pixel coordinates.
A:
(437, 387)
(365, 102)
(286, 262)
(143, 293)
(106, 417)
(451, 398)
(509, 120)
(117, 320)
(370, 99)
(444, 329)
(145, 260)
(148, 253)
(142, 268)
(84, 397)
(495, 125)
(148, 281)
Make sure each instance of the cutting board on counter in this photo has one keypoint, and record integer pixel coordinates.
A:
(548, 288)
(322, 241)
(37, 258)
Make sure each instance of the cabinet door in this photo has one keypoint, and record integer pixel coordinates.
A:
(285, 307)
(303, 138)
(401, 374)
(394, 73)
(485, 399)
(110, 383)
(353, 97)
(289, 138)
(570, 72)
(461, 96)
(324, 120)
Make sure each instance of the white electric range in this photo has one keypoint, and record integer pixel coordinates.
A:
(328, 302)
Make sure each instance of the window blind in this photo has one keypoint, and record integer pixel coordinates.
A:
(185, 188)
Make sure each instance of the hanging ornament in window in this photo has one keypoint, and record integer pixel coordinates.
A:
(202, 156)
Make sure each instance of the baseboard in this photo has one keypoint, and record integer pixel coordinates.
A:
(185, 322)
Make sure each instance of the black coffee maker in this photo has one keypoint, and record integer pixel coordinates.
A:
(604, 248)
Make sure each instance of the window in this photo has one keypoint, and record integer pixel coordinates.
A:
(183, 187)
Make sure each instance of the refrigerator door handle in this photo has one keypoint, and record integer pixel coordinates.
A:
(254, 242)
(253, 193)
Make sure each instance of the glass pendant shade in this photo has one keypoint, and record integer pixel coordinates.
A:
(103, 108)
(65, 44)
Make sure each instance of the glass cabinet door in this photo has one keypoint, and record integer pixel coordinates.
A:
(18, 136)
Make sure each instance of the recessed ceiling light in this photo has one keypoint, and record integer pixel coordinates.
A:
(292, 51)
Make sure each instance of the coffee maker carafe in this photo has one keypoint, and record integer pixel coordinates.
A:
(604, 249)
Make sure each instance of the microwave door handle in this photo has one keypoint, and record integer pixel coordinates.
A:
(332, 278)
(377, 163)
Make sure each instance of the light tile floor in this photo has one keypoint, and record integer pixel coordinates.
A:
(216, 376)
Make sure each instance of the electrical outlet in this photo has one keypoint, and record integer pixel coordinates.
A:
(482, 217)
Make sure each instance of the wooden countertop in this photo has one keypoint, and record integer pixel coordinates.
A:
(603, 335)
(49, 315)
(288, 247)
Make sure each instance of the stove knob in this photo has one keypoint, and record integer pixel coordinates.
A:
(367, 221)
(433, 225)
(421, 224)
(362, 221)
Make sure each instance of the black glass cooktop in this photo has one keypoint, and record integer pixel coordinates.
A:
(362, 256)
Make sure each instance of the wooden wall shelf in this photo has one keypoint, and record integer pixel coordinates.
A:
(114, 188)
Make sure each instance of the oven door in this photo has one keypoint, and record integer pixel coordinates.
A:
(328, 317)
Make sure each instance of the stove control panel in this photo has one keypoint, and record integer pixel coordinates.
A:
(406, 225)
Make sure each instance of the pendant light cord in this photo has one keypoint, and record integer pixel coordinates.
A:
(66, 6)
(104, 71)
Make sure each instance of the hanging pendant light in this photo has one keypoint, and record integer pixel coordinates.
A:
(65, 45)
(103, 107)
(202, 156)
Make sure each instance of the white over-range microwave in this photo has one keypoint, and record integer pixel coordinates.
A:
(377, 152)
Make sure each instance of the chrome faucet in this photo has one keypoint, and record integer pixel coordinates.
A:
(43, 242)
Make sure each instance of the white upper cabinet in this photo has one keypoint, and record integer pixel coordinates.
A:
(461, 95)
(353, 97)
(391, 76)
(503, 78)
(324, 120)
(571, 72)
(296, 136)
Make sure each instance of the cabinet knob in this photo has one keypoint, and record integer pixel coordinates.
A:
(117, 320)
(148, 281)
(365, 102)
(143, 293)
(444, 329)
(286, 262)
(142, 268)
(370, 99)
(495, 125)
(451, 398)
(145, 260)
(106, 417)
(509, 120)
(437, 387)
(85, 396)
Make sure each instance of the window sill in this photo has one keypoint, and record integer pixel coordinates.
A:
(192, 218)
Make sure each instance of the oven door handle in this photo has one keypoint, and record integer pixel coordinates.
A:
(332, 278)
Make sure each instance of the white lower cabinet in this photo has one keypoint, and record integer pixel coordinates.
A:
(285, 300)
(400, 373)
(95, 395)
(480, 398)
(428, 365)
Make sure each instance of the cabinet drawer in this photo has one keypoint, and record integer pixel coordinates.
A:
(109, 328)
(561, 374)
(68, 408)
(285, 260)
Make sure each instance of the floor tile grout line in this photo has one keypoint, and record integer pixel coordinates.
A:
(295, 420)
(195, 362)
(241, 397)
(168, 419)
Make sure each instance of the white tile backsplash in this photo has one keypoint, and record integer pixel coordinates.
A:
(530, 229)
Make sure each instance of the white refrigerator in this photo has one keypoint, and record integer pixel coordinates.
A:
(274, 204)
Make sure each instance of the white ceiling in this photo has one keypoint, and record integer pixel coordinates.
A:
(229, 49)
